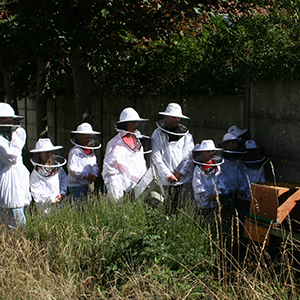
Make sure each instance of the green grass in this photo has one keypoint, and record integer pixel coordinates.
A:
(102, 250)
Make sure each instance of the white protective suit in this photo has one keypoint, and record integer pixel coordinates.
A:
(172, 157)
(122, 166)
(46, 189)
(206, 184)
(79, 166)
(250, 176)
(233, 177)
(14, 176)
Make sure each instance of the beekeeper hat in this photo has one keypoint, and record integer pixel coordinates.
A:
(229, 137)
(6, 111)
(45, 145)
(129, 115)
(206, 145)
(85, 128)
(250, 144)
(173, 110)
(237, 131)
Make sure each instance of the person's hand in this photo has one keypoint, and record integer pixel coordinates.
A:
(92, 177)
(243, 194)
(212, 197)
(58, 198)
(179, 176)
(172, 178)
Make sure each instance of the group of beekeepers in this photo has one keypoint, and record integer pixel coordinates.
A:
(172, 153)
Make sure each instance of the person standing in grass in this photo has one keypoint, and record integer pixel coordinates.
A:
(82, 162)
(252, 169)
(208, 180)
(14, 176)
(124, 163)
(172, 146)
(232, 151)
(48, 180)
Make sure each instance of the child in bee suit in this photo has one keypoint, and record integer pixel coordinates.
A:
(48, 180)
(14, 176)
(232, 151)
(251, 167)
(82, 162)
(208, 180)
(124, 163)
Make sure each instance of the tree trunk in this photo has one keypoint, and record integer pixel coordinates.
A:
(82, 85)
(41, 98)
(9, 87)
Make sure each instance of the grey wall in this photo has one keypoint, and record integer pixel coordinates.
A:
(271, 112)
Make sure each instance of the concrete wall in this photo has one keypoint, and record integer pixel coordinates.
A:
(274, 124)
(273, 119)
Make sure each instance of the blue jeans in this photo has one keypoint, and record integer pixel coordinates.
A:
(78, 191)
(13, 217)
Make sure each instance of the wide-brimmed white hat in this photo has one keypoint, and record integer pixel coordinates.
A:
(85, 128)
(229, 137)
(6, 111)
(129, 115)
(236, 131)
(206, 145)
(45, 145)
(173, 110)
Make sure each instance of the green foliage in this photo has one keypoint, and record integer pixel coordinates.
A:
(99, 237)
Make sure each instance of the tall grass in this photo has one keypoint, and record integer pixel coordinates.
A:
(101, 250)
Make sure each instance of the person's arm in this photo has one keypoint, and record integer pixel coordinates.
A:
(187, 163)
(9, 155)
(112, 177)
(75, 166)
(62, 181)
(156, 156)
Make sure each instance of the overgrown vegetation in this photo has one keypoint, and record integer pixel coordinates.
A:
(102, 250)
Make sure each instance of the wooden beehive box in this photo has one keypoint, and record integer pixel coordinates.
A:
(257, 231)
(275, 203)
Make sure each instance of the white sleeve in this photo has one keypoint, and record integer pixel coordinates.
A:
(9, 155)
(95, 168)
(62, 181)
(198, 184)
(75, 167)
(187, 163)
(112, 177)
(156, 155)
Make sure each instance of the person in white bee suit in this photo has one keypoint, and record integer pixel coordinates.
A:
(124, 163)
(208, 180)
(48, 180)
(14, 176)
(82, 162)
(172, 146)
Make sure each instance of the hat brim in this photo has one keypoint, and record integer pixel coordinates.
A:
(86, 132)
(131, 120)
(206, 164)
(253, 161)
(173, 115)
(209, 149)
(171, 132)
(46, 149)
(99, 145)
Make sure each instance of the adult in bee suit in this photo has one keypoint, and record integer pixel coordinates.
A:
(124, 163)
(172, 146)
(14, 176)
